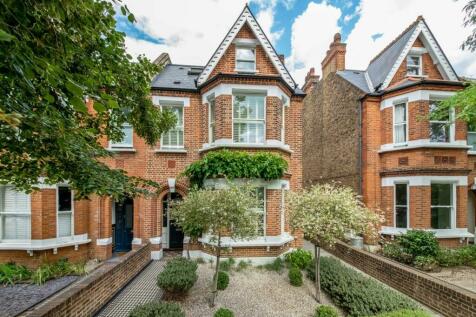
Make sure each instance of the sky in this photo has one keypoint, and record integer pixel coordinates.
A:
(191, 30)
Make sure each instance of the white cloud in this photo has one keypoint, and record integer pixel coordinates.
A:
(265, 19)
(312, 32)
(391, 17)
(192, 29)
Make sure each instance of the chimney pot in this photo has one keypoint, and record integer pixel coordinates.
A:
(337, 38)
(335, 57)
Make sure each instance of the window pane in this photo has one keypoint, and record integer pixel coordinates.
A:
(64, 199)
(400, 113)
(401, 194)
(64, 224)
(439, 132)
(16, 227)
(400, 133)
(15, 201)
(212, 111)
(245, 54)
(127, 135)
(472, 140)
(441, 194)
(413, 60)
(441, 218)
(401, 217)
(245, 65)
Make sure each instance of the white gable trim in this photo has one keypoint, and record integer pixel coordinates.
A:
(246, 17)
(436, 53)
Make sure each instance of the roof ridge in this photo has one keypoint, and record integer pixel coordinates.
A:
(187, 65)
(418, 19)
(353, 70)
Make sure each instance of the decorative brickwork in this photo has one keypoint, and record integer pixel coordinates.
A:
(86, 296)
(447, 299)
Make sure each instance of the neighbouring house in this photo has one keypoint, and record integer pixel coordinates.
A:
(243, 99)
(369, 129)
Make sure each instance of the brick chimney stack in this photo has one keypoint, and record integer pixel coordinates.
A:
(335, 57)
(311, 80)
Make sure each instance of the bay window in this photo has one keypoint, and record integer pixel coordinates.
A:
(126, 141)
(173, 138)
(249, 119)
(442, 205)
(64, 211)
(245, 59)
(401, 205)
(439, 127)
(15, 214)
(414, 65)
(400, 123)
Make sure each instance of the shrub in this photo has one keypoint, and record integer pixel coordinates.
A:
(299, 258)
(419, 243)
(405, 313)
(326, 311)
(178, 276)
(223, 280)
(243, 265)
(425, 263)
(356, 294)
(10, 273)
(157, 309)
(395, 251)
(277, 265)
(295, 276)
(63, 267)
(223, 312)
(453, 257)
(200, 260)
(227, 265)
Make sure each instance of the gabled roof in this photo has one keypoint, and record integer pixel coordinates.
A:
(383, 67)
(246, 17)
(180, 77)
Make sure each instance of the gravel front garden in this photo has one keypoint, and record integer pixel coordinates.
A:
(252, 292)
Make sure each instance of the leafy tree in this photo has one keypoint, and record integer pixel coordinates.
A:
(55, 55)
(470, 21)
(219, 212)
(325, 213)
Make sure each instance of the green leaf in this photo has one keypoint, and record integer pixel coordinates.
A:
(131, 18)
(99, 107)
(5, 37)
(74, 88)
(78, 104)
(123, 10)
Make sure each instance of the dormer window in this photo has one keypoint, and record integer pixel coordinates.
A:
(245, 59)
(414, 65)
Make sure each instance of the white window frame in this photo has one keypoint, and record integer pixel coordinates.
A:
(178, 128)
(395, 206)
(259, 211)
(245, 47)
(398, 124)
(450, 123)
(58, 212)
(239, 120)
(211, 125)
(452, 206)
(420, 66)
(121, 144)
(3, 214)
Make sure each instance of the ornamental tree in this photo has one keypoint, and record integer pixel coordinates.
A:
(222, 212)
(325, 213)
(55, 55)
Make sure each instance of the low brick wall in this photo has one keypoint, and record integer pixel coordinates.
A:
(443, 297)
(88, 295)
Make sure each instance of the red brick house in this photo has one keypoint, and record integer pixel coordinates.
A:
(369, 129)
(244, 71)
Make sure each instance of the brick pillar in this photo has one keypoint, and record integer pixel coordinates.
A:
(461, 206)
(420, 210)
(224, 117)
(273, 219)
(100, 227)
(274, 118)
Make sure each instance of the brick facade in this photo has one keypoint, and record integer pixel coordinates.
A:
(94, 218)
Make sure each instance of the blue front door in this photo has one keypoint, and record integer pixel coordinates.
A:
(123, 228)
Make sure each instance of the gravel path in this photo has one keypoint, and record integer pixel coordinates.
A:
(461, 276)
(252, 292)
(14, 299)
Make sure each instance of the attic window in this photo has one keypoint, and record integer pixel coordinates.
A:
(245, 59)
(414, 65)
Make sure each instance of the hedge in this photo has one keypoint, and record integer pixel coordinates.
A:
(157, 309)
(357, 294)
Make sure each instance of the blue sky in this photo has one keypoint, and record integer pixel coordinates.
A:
(190, 30)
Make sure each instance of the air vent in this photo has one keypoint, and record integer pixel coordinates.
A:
(403, 161)
(195, 71)
(177, 82)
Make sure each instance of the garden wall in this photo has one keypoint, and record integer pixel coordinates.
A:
(445, 298)
(88, 295)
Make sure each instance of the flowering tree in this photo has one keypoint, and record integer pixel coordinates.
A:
(325, 213)
(218, 212)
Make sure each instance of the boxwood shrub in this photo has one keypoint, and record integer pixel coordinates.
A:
(326, 311)
(223, 280)
(157, 309)
(178, 276)
(295, 276)
(357, 294)
(223, 312)
(299, 258)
